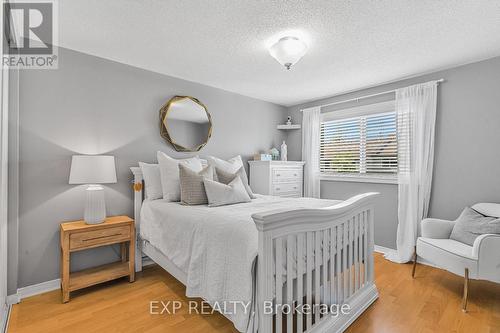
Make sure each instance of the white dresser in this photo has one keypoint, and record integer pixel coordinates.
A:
(281, 178)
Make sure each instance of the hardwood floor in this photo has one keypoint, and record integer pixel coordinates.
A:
(428, 303)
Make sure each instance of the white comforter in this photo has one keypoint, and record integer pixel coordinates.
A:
(215, 247)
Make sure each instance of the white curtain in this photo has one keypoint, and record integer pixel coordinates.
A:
(310, 150)
(416, 118)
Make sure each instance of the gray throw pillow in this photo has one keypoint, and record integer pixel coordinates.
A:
(225, 177)
(220, 194)
(471, 224)
(192, 187)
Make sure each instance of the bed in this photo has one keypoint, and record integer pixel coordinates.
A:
(270, 253)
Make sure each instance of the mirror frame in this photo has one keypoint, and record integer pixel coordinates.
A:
(164, 131)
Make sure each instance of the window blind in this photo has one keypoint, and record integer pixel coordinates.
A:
(359, 145)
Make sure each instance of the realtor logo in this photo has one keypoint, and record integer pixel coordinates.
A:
(31, 31)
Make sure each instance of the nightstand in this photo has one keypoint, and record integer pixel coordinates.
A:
(78, 236)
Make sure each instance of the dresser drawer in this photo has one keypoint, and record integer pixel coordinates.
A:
(101, 237)
(283, 188)
(291, 195)
(286, 175)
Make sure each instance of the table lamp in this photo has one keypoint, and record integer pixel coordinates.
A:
(93, 170)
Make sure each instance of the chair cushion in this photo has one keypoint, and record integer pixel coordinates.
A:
(451, 246)
(471, 224)
(448, 254)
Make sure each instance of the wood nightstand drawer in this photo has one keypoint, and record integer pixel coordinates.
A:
(101, 237)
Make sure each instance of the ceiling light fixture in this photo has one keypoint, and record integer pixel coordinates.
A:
(288, 51)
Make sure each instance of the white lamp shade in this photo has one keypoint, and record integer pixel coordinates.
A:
(288, 51)
(92, 169)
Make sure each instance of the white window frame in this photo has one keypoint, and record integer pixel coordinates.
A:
(360, 111)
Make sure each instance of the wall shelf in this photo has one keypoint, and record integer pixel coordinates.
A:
(288, 127)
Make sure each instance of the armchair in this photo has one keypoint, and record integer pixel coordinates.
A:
(480, 261)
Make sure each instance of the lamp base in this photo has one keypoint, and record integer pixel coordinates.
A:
(95, 207)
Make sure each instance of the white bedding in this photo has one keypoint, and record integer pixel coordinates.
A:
(214, 246)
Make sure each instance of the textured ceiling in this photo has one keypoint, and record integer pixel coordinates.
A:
(223, 43)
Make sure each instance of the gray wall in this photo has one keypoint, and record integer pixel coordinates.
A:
(95, 106)
(467, 157)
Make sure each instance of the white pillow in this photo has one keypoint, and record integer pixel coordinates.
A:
(152, 180)
(227, 177)
(219, 194)
(169, 173)
(230, 166)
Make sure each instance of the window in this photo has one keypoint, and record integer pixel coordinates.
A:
(360, 142)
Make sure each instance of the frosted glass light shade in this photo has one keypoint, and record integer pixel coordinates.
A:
(92, 169)
(288, 51)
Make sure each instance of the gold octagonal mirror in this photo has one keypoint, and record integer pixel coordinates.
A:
(185, 123)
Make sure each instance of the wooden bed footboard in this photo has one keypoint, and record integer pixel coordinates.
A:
(315, 266)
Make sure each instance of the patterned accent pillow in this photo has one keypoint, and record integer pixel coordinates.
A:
(471, 224)
(225, 177)
(192, 187)
(220, 194)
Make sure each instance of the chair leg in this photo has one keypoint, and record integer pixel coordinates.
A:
(414, 263)
(466, 290)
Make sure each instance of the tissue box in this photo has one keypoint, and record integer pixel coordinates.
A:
(262, 157)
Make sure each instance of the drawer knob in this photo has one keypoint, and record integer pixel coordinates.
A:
(277, 175)
(295, 174)
(295, 187)
(277, 188)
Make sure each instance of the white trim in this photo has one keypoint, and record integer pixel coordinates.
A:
(382, 249)
(13, 299)
(4, 317)
(359, 178)
(39, 288)
(360, 111)
(385, 250)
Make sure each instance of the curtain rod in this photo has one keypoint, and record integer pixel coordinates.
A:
(363, 97)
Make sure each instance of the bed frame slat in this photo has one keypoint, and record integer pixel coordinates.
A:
(279, 281)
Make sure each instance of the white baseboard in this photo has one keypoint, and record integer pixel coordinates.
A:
(38, 288)
(33, 290)
(385, 250)
(47, 286)
(382, 249)
(13, 299)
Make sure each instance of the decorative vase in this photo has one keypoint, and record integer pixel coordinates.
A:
(284, 151)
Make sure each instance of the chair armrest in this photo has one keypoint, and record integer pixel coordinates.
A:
(486, 243)
(436, 228)
(486, 249)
